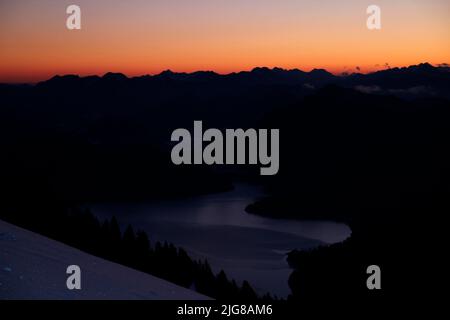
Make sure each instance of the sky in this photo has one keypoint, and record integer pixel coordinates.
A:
(139, 37)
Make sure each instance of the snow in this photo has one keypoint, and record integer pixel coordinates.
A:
(34, 267)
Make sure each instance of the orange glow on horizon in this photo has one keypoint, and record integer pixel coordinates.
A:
(140, 37)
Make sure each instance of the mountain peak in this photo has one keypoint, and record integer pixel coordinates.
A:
(167, 72)
(319, 72)
(64, 77)
(261, 70)
(114, 76)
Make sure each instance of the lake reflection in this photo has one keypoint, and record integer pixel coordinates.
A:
(216, 227)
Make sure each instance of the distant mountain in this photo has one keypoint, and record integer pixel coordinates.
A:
(413, 81)
(114, 107)
(114, 76)
(417, 80)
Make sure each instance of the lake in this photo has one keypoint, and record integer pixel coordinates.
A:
(217, 227)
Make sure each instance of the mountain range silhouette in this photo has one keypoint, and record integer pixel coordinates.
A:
(367, 149)
(419, 80)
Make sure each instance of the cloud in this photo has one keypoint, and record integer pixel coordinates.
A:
(412, 91)
(308, 86)
(419, 90)
(368, 89)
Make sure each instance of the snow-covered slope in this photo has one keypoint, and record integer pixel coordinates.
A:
(34, 267)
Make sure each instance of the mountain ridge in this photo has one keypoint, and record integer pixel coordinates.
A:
(411, 81)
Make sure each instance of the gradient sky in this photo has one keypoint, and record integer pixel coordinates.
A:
(145, 37)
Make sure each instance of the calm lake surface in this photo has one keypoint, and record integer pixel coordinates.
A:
(216, 227)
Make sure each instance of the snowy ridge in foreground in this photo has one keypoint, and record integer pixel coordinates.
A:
(34, 267)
